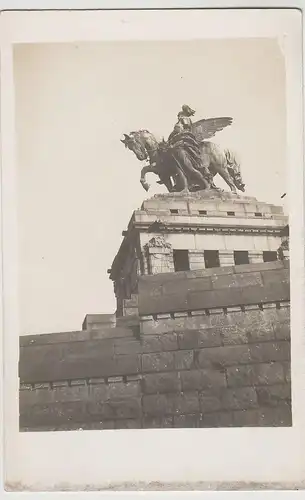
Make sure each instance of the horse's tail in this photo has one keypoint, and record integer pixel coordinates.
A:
(231, 160)
(233, 167)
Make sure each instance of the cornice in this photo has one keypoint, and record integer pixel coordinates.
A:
(207, 229)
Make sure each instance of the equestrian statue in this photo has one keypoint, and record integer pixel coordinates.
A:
(186, 161)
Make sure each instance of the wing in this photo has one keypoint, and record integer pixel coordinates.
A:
(206, 128)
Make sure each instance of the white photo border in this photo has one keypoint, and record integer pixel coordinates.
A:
(95, 459)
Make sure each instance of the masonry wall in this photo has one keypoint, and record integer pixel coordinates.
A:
(207, 363)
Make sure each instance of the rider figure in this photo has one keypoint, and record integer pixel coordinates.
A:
(184, 117)
(184, 123)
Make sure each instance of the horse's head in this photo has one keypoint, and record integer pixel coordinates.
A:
(234, 170)
(136, 142)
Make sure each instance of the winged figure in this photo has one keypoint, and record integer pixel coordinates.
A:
(207, 128)
(187, 160)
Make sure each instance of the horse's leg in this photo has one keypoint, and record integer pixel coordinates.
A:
(181, 180)
(211, 174)
(190, 173)
(207, 168)
(144, 171)
(168, 184)
(195, 175)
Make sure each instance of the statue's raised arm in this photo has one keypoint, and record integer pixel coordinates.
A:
(207, 128)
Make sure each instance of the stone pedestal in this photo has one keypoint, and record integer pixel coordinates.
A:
(203, 228)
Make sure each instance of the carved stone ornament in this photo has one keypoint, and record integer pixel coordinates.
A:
(158, 242)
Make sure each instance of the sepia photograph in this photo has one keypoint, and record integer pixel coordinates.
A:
(154, 251)
(153, 260)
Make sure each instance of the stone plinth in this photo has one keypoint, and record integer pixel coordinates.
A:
(192, 231)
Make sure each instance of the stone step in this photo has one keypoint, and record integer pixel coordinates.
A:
(94, 321)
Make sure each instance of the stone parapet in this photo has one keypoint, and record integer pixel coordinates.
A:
(248, 284)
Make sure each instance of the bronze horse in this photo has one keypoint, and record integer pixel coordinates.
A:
(177, 172)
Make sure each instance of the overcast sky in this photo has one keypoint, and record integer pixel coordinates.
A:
(78, 186)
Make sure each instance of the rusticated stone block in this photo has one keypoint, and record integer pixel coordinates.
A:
(104, 425)
(119, 390)
(279, 416)
(246, 418)
(129, 423)
(53, 414)
(217, 357)
(268, 373)
(202, 379)
(263, 333)
(214, 298)
(255, 374)
(218, 320)
(127, 346)
(56, 395)
(159, 343)
(186, 402)
(76, 361)
(158, 362)
(184, 360)
(287, 370)
(114, 409)
(205, 337)
(274, 292)
(170, 404)
(157, 422)
(210, 400)
(162, 304)
(53, 338)
(239, 376)
(233, 335)
(270, 351)
(128, 322)
(186, 285)
(161, 383)
(276, 276)
(187, 421)
(282, 329)
(217, 419)
(158, 405)
(150, 288)
(119, 365)
(99, 392)
(236, 280)
(250, 318)
(239, 398)
(145, 280)
(270, 396)
(110, 333)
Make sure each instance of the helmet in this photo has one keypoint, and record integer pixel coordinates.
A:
(187, 110)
